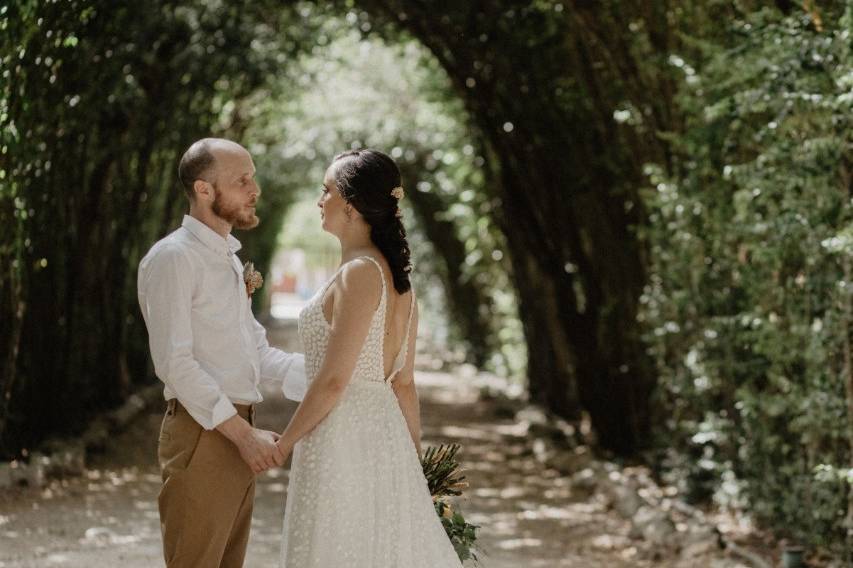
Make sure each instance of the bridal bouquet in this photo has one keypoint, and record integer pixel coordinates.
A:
(444, 479)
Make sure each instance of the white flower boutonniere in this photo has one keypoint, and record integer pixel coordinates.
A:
(252, 278)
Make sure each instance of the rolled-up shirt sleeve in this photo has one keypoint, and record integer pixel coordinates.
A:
(165, 290)
(279, 369)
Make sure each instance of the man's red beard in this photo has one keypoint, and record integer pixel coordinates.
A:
(234, 215)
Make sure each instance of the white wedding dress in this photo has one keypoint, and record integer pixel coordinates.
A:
(357, 496)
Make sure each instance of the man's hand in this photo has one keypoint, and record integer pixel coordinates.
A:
(257, 447)
(275, 435)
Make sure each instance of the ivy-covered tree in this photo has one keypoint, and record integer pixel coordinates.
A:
(99, 100)
(749, 303)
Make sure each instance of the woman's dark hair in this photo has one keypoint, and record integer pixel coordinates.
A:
(365, 179)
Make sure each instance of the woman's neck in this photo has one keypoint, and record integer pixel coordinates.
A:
(353, 246)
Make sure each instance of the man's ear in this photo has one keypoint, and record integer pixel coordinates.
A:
(201, 187)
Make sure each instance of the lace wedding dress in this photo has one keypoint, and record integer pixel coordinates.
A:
(357, 496)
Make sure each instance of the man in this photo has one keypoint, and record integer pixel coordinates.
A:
(212, 355)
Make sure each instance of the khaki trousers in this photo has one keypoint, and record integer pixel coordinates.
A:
(207, 494)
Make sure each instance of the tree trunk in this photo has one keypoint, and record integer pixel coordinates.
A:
(13, 313)
(551, 365)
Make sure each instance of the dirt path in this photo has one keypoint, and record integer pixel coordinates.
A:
(528, 513)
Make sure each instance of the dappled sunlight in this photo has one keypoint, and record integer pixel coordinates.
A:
(275, 487)
(274, 474)
(103, 536)
(468, 433)
(544, 512)
(522, 505)
(516, 543)
(513, 430)
(529, 514)
(610, 542)
(73, 521)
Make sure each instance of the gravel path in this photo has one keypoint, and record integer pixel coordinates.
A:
(529, 514)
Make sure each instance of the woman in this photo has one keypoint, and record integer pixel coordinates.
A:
(357, 496)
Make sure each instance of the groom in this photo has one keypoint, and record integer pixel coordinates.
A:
(212, 355)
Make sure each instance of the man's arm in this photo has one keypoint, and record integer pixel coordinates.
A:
(279, 369)
(165, 298)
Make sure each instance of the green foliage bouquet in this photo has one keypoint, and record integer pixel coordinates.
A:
(444, 479)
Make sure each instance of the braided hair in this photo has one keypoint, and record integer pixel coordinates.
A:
(365, 179)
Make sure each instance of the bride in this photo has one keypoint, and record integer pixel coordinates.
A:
(357, 496)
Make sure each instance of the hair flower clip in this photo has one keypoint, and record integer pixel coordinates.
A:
(398, 192)
(252, 278)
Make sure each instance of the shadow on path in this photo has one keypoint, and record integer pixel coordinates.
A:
(528, 513)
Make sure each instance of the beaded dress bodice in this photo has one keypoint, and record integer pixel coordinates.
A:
(314, 332)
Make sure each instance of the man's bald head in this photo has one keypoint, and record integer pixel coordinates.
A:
(199, 161)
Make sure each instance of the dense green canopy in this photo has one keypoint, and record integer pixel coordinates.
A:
(654, 195)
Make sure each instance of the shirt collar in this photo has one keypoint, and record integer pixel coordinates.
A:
(209, 237)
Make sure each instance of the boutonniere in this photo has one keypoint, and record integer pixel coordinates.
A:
(252, 278)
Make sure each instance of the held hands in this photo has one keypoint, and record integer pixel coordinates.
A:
(257, 447)
(260, 450)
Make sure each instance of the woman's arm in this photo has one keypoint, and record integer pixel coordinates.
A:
(356, 298)
(404, 386)
(407, 397)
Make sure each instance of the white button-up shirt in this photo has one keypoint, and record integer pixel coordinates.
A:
(206, 344)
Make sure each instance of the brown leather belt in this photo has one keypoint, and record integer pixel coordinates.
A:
(247, 411)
